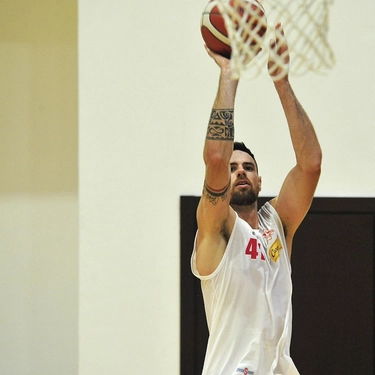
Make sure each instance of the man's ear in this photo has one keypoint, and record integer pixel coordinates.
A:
(260, 183)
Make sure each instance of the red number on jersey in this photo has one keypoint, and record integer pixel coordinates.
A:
(252, 248)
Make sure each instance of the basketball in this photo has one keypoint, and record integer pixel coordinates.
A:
(214, 32)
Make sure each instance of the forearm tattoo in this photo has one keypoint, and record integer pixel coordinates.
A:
(221, 125)
(214, 195)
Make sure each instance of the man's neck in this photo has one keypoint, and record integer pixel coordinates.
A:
(248, 213)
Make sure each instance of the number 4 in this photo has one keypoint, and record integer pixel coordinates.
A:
(252, 249)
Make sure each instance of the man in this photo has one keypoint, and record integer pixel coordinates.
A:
(242, 255)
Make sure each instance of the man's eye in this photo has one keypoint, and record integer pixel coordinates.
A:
(232, 169)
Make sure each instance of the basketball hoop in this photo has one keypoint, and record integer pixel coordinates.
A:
(306, 24)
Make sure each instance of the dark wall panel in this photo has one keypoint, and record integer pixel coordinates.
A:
(333, 294)
(333, 298)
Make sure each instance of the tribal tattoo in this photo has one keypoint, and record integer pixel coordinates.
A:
(221, 125)
(214, 195)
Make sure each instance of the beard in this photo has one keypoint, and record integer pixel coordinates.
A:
(243, 198)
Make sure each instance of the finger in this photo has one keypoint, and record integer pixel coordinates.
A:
(207, 49)
(210, 53)
(281, 41)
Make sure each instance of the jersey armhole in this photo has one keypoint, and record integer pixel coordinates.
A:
(217, 270)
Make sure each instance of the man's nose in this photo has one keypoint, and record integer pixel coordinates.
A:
(241, 172)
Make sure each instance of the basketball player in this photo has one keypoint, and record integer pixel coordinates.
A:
(242, 252)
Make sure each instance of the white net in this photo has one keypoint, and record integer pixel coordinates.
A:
(306, 24)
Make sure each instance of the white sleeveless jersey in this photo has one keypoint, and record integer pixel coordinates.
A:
(248, 302)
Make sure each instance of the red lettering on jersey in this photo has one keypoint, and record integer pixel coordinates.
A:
(252, 248)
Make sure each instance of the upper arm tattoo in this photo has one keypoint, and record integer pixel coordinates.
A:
(221, 125)
(214, 195)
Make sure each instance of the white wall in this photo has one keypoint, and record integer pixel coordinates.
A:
(146, 90)
(38, 188)
(39, 291)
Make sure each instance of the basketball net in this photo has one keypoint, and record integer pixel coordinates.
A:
(305, 22)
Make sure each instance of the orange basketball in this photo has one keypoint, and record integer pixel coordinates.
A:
(213, 28)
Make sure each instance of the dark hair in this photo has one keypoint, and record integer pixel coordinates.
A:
(241, 147)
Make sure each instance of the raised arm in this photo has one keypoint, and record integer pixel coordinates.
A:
(214, 215)
(298, 189)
